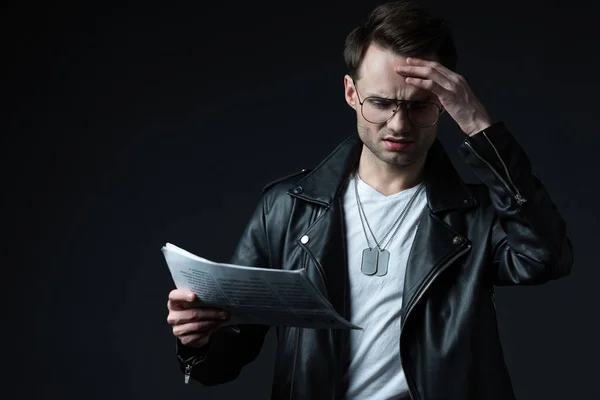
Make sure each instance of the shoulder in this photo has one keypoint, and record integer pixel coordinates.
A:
(284, 183)
(276, 191)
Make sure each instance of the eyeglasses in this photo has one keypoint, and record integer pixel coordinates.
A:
(378, 110)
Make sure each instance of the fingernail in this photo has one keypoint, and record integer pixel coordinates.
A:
(223, 315)
(190, 296)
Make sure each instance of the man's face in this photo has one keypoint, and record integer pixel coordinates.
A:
(396, 142)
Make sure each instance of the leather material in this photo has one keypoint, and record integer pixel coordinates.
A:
(504, 231)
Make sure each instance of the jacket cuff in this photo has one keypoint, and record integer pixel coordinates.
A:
(199, 354)
(185, 353)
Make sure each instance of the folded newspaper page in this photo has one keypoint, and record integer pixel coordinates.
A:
(254, 295)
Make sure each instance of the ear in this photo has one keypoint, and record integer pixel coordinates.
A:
(350, 92)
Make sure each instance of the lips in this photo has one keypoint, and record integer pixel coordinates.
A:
(398, 140)
(397, 144)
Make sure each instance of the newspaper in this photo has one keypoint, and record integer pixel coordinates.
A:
(254, 295)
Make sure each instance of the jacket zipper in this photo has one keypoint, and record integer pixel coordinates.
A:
(512, 188)
(417, 298)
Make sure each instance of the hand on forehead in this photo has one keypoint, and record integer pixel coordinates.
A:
(378, 77)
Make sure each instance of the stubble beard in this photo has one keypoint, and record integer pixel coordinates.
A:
(397, 159)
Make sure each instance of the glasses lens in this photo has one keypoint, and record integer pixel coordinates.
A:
(378, 111)
(423, 114)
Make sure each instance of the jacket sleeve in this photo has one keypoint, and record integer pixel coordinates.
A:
(529, 241)
(231, 347)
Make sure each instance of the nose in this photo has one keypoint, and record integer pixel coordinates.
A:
(399, 122)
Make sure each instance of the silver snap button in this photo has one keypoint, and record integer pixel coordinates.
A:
(304, 239)
(457, 240)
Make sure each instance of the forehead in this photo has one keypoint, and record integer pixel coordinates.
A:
(377, 75)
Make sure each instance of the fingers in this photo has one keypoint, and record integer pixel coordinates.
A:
(180, 299)
(193, 323)
(195, 337)
(181, 305)
(425, 77)
(196, 328)
(422, 72)
(181, 295)
(195, 340)
(432, 64)
(428, 85)
(178, 317)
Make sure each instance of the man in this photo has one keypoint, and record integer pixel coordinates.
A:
(387, 230)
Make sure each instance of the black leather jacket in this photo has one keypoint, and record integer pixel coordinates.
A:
(471, 237)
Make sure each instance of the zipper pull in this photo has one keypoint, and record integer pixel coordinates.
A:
(188, 371)
(520, 199)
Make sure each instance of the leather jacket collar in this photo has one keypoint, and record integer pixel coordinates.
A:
(445, 189)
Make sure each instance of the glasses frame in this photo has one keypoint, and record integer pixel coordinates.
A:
(405, 104)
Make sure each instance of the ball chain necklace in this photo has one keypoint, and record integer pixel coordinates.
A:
(376, 259)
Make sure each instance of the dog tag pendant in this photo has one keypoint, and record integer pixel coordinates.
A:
(383, 260)
(368, 265)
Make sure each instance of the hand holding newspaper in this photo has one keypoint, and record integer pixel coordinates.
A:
(254, 295)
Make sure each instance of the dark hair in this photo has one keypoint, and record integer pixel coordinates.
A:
(404, 28)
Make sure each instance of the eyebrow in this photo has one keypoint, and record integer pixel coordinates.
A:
(419, 96)
(375, 94)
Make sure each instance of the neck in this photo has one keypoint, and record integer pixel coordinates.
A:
(388, 179)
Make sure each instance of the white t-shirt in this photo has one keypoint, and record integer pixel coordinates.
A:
(374, 370)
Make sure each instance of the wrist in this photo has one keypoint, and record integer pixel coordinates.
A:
(477, 126)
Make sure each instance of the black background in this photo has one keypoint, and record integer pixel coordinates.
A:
(128, 126)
